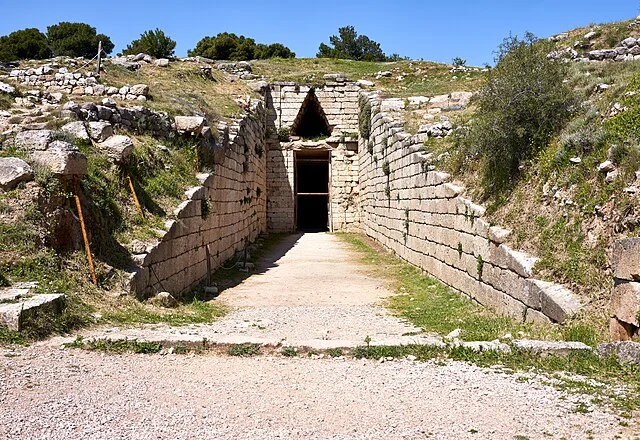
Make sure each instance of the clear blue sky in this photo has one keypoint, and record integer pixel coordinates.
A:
(433, 30)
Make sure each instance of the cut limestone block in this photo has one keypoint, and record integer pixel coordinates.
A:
(33, 140)
(100, 131)
(549, 347)
(556, 301)
(62, 158)
(76, 129)
(625, 351)
(625, 303)
(117, 147)
(13, 171)
(17, 313)
(625, 260)
(192, 125)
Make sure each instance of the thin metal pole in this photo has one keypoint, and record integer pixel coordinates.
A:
(86, 241)
(99, 64)
(135, 196)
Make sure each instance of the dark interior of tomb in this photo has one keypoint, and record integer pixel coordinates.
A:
(312, 197)
(311, 123)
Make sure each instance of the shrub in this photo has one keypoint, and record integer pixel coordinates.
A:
(76, 40)
(522, 105)
(364, 119)
(154, 43)
(24, 44)
(284, 134)
(229, 46)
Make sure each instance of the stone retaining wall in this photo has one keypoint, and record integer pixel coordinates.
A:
(225, 213)
(422, 216)
(625, 298)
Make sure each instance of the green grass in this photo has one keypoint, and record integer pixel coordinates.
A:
(133, 312)
(420, 77)
(116, 346)
(434, 307)
(244, 350)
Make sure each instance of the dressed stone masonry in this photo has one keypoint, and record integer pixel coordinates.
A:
(338, 99)
(422, 216)
(225, 213)
(625, 297)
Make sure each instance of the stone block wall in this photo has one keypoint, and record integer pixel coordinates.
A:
(625, 297)
(345, 193)
(225, 213)
(280, 190)
(422, 216)
(339, 101)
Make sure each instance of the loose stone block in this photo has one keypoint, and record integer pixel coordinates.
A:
(625, 303)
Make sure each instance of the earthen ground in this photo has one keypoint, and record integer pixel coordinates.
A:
(309, 289)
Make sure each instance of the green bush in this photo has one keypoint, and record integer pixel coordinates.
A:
(25, 44)
(154, 43)
(364, 119)
(522, 105)
(76, 40)
(229, 46)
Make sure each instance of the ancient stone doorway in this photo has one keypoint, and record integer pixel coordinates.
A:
(311, 121)
(312, 171)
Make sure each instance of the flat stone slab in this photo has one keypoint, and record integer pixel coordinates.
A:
(549, 347)
(12, 295)
(15, 314)
(625, 351)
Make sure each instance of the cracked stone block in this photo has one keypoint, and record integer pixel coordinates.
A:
(76, 129)
(625, 351)
(100, 131)
(549, 347)
(189, 124)
(625, 303)
(117, 147)
(556, 301)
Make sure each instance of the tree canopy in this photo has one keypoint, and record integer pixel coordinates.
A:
(24, 44)
(229, 46)
(76, 40)
(152, 42)
(349, 45)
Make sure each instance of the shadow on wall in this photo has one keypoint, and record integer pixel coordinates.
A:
(280, 196)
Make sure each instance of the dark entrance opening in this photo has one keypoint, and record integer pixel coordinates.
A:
(311, 121)
(312, 190)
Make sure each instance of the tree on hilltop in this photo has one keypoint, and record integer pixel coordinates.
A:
(154, 43)
(349, 45)
(229, 46)
(76, 40)
(24, 44)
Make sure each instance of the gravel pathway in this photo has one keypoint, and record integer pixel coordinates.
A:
(312, 291)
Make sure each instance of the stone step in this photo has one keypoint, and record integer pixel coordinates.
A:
(17, 306)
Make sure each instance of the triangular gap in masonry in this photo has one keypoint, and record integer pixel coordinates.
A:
(311, 121)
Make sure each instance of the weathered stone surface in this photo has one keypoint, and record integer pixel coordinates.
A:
(34, 140)
(139, 89)
(625, 302)
(15, 314)
(76, 129)
(549, 347)
(117, 147)
(62, 158)
(626, 351)
(164, 299)
(620, 331)
(498, 235)
(161, 62)
(13, 171)
(189, 124)
(99, 131)
(365, 83)
(625, 259)
(556, 301)
(6, 88)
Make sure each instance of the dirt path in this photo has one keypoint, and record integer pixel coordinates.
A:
(313, 291)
